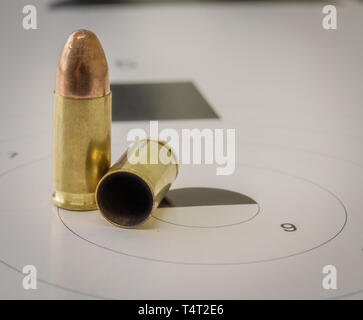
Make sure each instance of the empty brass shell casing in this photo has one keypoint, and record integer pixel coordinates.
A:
(131, 190)
(82, 122)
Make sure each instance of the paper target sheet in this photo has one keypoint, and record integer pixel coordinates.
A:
(287, 216)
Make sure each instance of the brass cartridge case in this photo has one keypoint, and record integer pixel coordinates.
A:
(135, 185)
(81, 122)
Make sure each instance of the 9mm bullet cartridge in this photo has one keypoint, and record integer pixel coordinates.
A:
(82, 122)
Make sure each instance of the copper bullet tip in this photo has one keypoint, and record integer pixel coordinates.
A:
(82, 69)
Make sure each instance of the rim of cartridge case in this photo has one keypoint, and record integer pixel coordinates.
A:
(148, 184)
(63, 200)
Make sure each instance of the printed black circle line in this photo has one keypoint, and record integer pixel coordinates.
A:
(189, 263)
(11, 267)
(228, 263)
(213, 227)
(89, 295)
(56, 285)
(303, 150)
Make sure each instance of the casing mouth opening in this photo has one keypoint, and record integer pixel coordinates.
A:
(124, 199)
